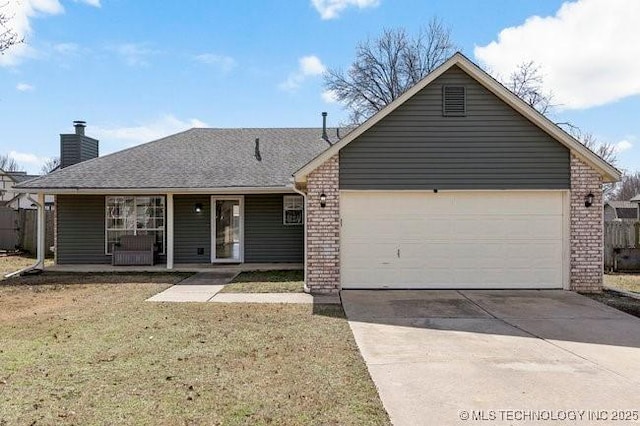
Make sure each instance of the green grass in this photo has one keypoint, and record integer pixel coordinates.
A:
(94, 352)
(267, 282)
(626, 282)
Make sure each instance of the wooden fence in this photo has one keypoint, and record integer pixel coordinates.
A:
(18, 229)
(619, 235)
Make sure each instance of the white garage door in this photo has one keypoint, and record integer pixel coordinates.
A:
(493, 239)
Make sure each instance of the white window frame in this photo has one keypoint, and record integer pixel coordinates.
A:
(298, 204)
(135, 228)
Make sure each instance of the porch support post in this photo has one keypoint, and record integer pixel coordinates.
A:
(41, 248)
(169, 231)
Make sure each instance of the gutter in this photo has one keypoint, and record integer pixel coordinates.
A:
(304, 197)
(39, 265)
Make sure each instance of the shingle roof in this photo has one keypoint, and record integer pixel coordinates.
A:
(196, 158)
(20, 177)
(622, 204)
(625, 209)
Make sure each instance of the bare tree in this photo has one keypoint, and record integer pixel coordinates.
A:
(527, 83)
(385, 67)
(627, 188)
(8, 164)
(50, 165)
(8, 37)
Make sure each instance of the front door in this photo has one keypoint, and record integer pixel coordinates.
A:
(227, 229)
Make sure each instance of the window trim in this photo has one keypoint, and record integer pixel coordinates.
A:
(135, 229)
(444, 100)
(285, 209)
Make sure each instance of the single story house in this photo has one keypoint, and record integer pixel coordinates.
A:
(15, 199)
(456, 184)
(621, 211)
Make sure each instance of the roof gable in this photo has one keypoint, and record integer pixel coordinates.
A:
(609, 173)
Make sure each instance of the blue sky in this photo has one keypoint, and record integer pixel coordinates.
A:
(137, 70)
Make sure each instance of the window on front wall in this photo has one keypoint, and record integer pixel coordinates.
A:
(134, 216)
(293, 210)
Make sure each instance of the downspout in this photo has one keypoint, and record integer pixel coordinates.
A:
(304, 197)
(39, 265)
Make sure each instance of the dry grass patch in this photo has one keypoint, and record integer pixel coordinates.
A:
(10, 264)
(102, 355)
(266, 282)
(626, 282)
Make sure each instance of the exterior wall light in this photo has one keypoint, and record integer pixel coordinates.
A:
(197, 208)
(588, 200)
(323, 200)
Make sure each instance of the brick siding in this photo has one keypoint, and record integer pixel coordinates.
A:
(586, 228)
(323, 229)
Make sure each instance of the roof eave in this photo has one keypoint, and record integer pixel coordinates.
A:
(131, 191)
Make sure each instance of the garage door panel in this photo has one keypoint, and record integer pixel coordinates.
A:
(501, 239)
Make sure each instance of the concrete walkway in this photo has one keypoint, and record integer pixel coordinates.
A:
(205, 286)
(460, 357)
(299, 298)
(200, 287)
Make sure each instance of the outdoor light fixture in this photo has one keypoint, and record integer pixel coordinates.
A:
(198, 208)
(323, 200)
(588, 200)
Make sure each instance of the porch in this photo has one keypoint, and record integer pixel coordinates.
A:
(178, 267)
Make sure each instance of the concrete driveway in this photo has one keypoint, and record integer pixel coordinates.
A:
(499, 357)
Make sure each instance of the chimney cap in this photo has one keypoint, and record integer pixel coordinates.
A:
(79, 123)
(324, 114)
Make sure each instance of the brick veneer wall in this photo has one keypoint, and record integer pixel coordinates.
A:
(586, 228)
(323, 229)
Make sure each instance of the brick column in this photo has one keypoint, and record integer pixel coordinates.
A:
(586, 228)
(323, 229)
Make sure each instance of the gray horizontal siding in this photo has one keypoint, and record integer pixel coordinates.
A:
(492, 147)
(80, 230)
(266, 238)
(192, 230)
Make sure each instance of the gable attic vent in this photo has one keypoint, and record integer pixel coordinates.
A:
(454, 101)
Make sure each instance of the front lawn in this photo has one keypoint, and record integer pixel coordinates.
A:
(94, 352)
(628, 282)
(266, 282)
(10, 264)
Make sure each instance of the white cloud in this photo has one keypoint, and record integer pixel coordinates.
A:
(25, 87)
(66, 48)
(118, 137)
(31, 162)
(331, 9)
(308, 66)
(225, 63)
(329, 96)
(94, 3)
(134, 54)
(623, 145)
(588, 52)
(22, 12)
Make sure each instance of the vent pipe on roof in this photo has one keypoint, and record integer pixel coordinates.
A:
(325, 136)
(257, 150)
(338, 133)
(80, 125)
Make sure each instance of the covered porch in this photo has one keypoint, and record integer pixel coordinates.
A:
(218, 230)
(180, 267)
